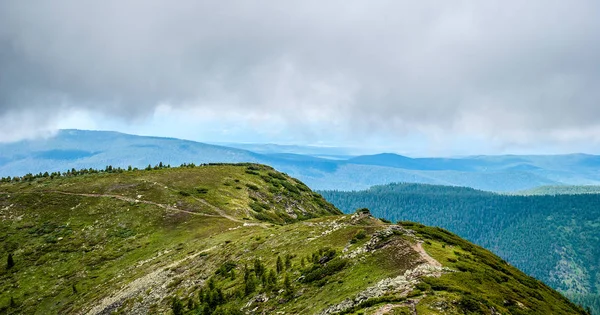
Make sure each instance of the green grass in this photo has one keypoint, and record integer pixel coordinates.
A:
(78, 240)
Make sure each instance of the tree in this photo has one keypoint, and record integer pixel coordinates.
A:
(279, 265)
(287, 285)
(259, 268)
(271, 280)
(288, 261)
(190, 304)
(177, 306)
(10, 261)
(250, 285)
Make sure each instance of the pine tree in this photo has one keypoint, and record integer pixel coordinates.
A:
(279, 265)
(288, 261)
(250, 285)
(287, 285)
(259, 268)
(10, 261)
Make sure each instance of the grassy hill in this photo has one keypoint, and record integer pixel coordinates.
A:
(551, 237)
(235, 239)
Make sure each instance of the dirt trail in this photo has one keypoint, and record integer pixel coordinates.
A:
(218, 210)
(222, 213)
(128, 199)
(430, 260)
(150, 281)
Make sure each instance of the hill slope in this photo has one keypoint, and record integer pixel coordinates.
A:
(552, 237)
(235, 239)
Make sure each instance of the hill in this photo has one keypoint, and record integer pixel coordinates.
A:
(235, 239)
(560, 190)
(551, 237)
(96, 149)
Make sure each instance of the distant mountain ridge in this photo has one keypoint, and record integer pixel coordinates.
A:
(96, 149)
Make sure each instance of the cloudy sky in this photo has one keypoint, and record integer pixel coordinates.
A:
(414, 77)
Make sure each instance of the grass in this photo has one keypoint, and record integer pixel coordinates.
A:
(78, 240)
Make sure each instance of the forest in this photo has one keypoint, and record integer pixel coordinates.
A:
(551, 237)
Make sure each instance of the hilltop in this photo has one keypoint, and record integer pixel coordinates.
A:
(235, 239)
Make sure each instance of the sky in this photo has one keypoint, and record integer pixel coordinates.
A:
(412, 77)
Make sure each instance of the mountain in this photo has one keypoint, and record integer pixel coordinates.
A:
(322, 168)
(235, 239)
(337, 153)
(96, 149)
(560, 190)
(551, 237)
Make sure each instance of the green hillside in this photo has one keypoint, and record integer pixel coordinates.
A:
(235, 239)
(551, 237)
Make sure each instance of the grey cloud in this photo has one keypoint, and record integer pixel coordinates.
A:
(377, 66)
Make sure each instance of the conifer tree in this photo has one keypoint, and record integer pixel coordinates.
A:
(279, 265)
(10, 261)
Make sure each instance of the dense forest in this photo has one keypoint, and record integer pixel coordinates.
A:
(551, 237)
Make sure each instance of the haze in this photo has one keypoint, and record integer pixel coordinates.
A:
(426, 78)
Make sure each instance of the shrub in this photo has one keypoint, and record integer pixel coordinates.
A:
(384, 220)
(363, 211)
(177, 306)
(225, 268)
(359, 236)
(319, 272)
(277, 175)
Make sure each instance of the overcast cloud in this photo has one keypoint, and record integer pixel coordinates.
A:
(513, 72)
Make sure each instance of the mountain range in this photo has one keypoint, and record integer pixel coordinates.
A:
(322, 168)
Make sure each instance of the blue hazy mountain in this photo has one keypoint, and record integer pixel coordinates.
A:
(328, 152)
(97, 149)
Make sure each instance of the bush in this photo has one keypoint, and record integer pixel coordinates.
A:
(177, 306)
(359, 236)
(363, 211)
(225, 268)
(319, 272)
(277, 175)
(384, 220)
(289, 187)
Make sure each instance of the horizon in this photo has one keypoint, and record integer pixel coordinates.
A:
(418, 79)
(245, 145)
